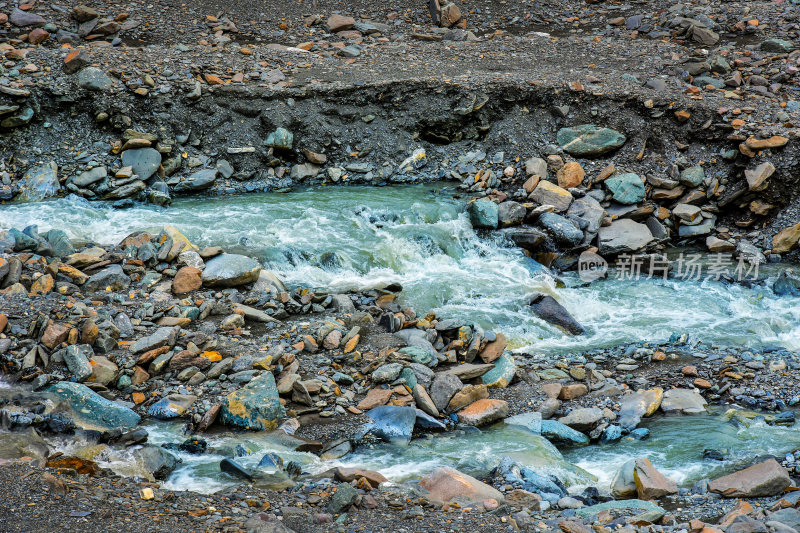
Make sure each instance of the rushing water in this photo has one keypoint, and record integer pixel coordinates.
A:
(362, 237)
(418, 236)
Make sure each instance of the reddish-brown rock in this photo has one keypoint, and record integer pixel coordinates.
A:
(186, 280)
(54, 334)
(764, 479)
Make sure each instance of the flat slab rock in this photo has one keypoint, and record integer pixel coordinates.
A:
(763, 479)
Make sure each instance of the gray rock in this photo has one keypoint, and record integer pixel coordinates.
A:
(230, 270)
(145, 161)
(39, 183)
(161, 337)
(111, 276)
(623, 235)
(583, 419)
(549, 310)
(94, 79)
(156, 460)
(76, 357)
(200, 180)
(344, 497)
(90, 177)
(683, 401)
(443, 388)
(24, 19)
(561, 228)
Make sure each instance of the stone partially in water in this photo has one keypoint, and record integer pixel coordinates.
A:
(637, 405)
(156, 461)
(447, 484)
(623, 485)
(549, 310)
(230, 466)
(683, 402)
(562, 435)
(92, 411)
(230, 270)
(650, 483)
(588, 140)
(172, 406)
(26, 443)
(392, 423)
(764, 479)
(624, 235)
(483, 214)
(483, 412)
(255, 406)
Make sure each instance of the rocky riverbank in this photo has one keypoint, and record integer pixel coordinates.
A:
(155, 328)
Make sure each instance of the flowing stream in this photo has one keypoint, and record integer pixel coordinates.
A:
(418, 236)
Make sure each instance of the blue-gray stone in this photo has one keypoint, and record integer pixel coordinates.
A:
(145, 161)
(626, 188)
(588, 140)
(59, 243)
(531, 421)
(392, 423)
(255, 406)
(233, 468)
(111, 276)
(636, 505)
(426, 421)
(563, 231)
(271, 460)
(692, 176)
(778, 46)
(76, 357)
(94, 79)
(92, 411)
(483, 214)
(562, 435)
(611, 434)
(39, 183)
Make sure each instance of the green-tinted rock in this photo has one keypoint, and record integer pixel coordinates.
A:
(59, 242)
(39, 183)
(562, 435)
(693, 176)
(502, 373)
(779, 46)
(343, 498)
(588, 140)
(76, 357)
(254, 406)
(552, 373)
(634, 505)
(92, 411)
(281, 138)
(409, 377)
(483, 214)
(626, 188)
(419, 355)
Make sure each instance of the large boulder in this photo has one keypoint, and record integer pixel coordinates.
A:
(636, 405)
(145, 161)
(483, 412)
(392, 423)
(230, 270)
(622, 236)
(254, 406)
(650, 483)
(549, 310)
(39, 183)
(447, 484)
(683, 402)
(588, 140)
(92, 411)
(763, 479)
(483, 214)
